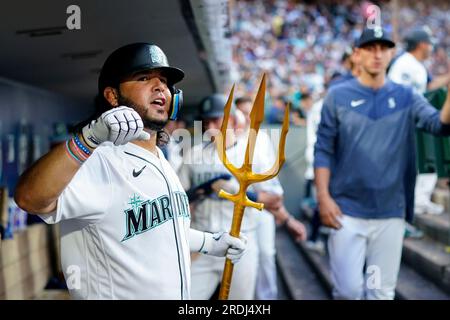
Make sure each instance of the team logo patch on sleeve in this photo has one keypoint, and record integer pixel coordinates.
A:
(146, 215)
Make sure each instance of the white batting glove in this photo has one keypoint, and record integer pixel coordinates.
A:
(119, 125)
(221, 244)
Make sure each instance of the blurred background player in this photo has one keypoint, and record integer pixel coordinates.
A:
(272, 193)
(203, 175)
(350, 65)
(309, 204)
(365, 170)
(409, 69)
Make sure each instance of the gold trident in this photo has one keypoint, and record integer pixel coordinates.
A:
(244, 174)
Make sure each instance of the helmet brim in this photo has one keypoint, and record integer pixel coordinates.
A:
(388, 42)
(174, 75)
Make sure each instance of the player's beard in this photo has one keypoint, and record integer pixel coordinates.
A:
(151, 124)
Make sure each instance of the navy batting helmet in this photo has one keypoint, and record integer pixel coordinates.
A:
(139, 57)
(213, 106)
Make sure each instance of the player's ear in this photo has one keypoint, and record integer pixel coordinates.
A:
(111, 95)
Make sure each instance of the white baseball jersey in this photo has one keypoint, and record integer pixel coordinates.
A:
(124, 227)
(312, 124)
(264, 158)
(212, 214)
(409, 71)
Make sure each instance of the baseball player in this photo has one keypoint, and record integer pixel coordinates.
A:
(408, 69)
(365, 170)
(125, 220)
(266, 281)
(203, 174)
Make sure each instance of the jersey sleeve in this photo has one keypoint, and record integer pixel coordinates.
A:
(427, 117)
(88, 196)
(326, 133)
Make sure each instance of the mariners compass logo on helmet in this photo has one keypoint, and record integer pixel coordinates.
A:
(207, 106)
(157, 56)
(378, 32)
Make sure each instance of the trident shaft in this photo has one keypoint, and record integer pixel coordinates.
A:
(244, 174)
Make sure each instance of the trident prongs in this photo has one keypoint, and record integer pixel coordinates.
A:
(244, 174)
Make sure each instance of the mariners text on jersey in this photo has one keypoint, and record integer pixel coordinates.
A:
(146, 215)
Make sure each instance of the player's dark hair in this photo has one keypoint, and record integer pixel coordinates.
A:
(242, 100)
(306, 95)
(411, 46)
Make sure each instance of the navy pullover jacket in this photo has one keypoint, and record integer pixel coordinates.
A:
(366, 138)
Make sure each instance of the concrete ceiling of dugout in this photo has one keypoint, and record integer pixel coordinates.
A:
(68, 61)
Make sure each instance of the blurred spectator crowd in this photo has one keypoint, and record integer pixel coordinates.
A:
(300, 44)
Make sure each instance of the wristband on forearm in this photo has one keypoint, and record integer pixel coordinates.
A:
(77, 150)
(89, 137)
(71, 154)
(81, 144)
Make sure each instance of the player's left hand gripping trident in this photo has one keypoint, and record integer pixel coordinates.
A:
(244, 174)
